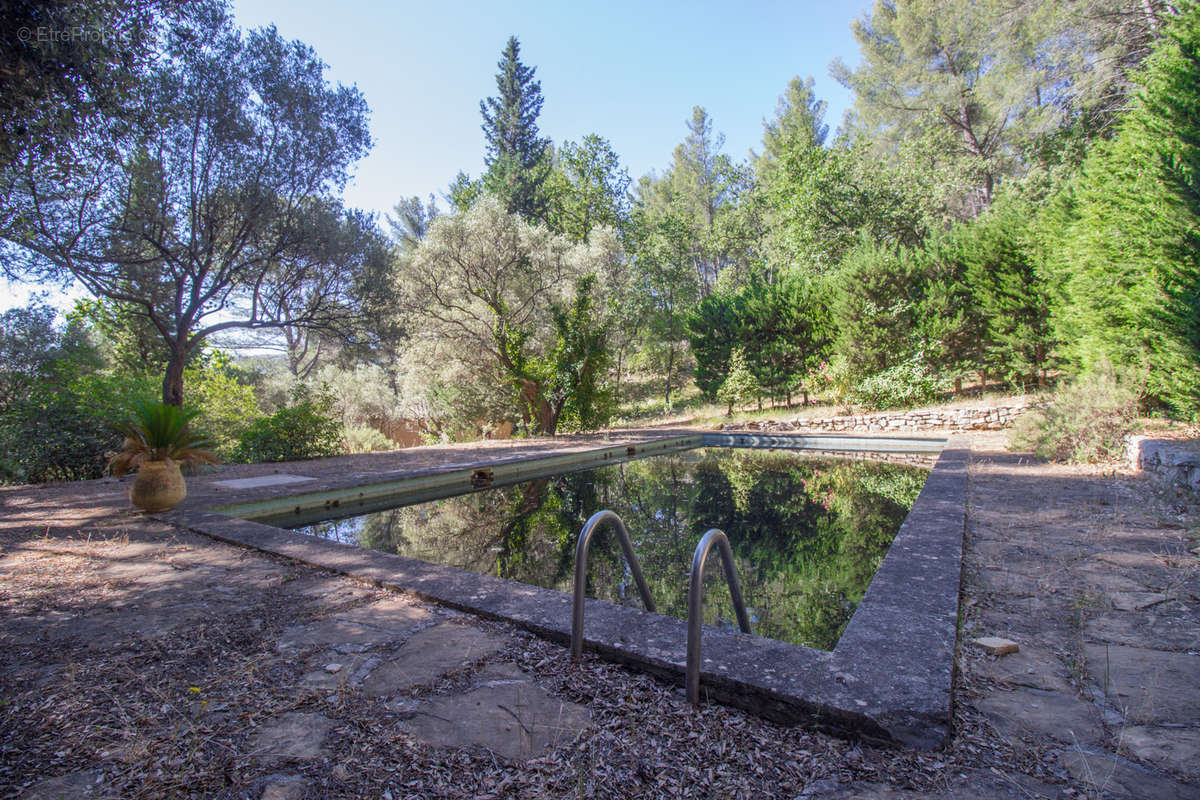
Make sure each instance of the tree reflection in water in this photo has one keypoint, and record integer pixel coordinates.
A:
(807, 533)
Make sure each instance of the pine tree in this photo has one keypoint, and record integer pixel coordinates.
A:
(739, 387)
(1129, 265)
(517, 158)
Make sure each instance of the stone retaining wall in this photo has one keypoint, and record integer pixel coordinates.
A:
(987, 418)
(925, 460)
(1171, 460)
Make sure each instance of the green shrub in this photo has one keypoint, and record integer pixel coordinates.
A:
(908, 384)
(227, 405)
(365, 439)
(307, 428)
(54, 437)
(1087, 421)
(60, 426)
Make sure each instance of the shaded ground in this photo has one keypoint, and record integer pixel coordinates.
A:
(140, 661)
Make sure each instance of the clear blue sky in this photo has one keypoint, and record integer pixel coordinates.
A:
(629, 71)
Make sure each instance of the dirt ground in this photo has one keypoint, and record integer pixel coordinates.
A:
(142, 661)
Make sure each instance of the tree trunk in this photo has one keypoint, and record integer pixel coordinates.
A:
(617, 383)
(547, 418)
(670, 366)
(1151, 16)
(173, 379)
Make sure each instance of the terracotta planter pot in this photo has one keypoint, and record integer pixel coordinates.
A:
(158, 486)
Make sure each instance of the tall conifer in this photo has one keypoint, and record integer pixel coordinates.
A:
(1130, 263)
(517, 158)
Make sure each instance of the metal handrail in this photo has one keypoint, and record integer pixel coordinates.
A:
(581, 548)
(696, 600)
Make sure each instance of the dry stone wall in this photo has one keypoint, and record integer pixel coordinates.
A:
(926, 460)
(988, 418)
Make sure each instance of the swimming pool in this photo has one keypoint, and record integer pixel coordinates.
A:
(889, 677)
(807, 533)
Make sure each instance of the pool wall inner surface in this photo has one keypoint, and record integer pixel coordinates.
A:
(890, 676)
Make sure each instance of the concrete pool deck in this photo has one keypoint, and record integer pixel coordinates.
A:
(111, 619)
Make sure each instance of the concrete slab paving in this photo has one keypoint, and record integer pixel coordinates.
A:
(1177, 749)
(428, 655)
(260, 482)
(1145, 629)
(295, 736)
(1113, 778)
(515, 720)
(1030, 713)
(1147, 685)
(357, 629)
(1033, 667)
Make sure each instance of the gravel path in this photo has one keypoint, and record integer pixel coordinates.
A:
(141, 661)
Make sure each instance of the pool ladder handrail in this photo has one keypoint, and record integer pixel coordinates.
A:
(593, 524)
(696, 600)
(713, 536)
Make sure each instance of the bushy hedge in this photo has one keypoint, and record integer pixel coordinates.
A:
(365, 439)
(908, 384)
(57, 405)
(58, 436)
(1087, 421)
(306, 428)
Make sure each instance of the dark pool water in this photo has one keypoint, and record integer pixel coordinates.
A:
(807, 534)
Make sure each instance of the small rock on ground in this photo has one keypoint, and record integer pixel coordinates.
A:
(996, 646)
(291, 788)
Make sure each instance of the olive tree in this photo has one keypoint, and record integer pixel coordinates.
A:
(512, 302)
(221, 213)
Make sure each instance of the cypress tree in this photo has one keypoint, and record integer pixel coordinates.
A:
(985, 304)
(714, 329)
(1011, 292)
(517, 158)
(786, 331)
(1129, 265)
(876, 307)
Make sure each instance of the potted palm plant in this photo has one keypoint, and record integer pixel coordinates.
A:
(157, 441)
